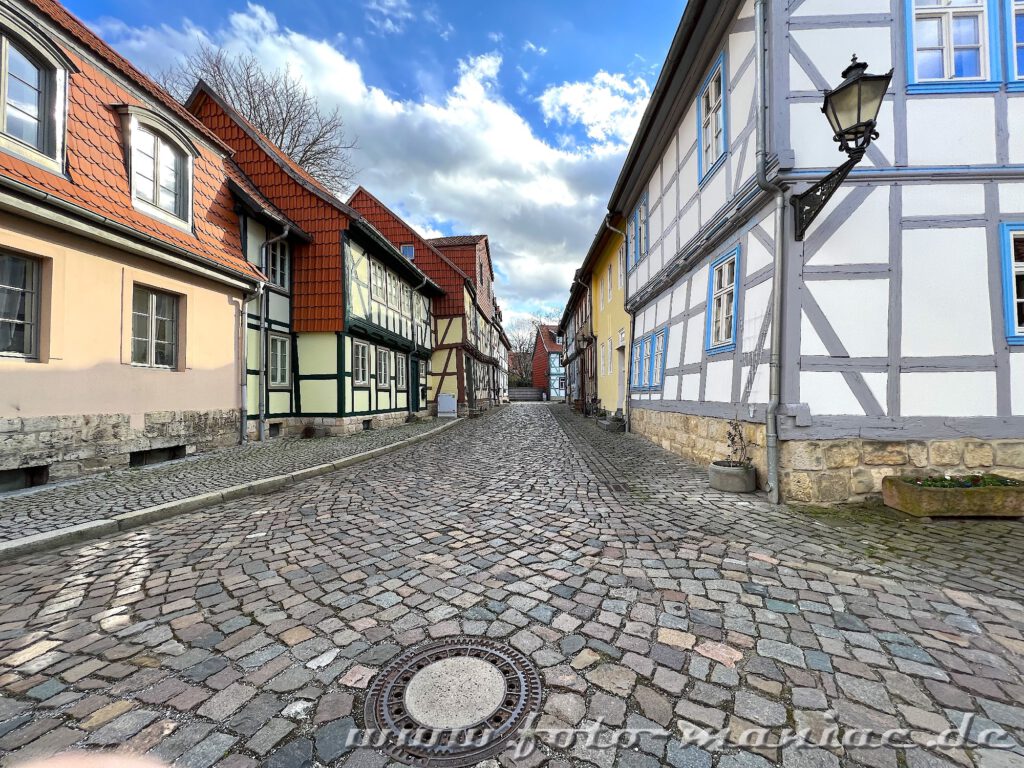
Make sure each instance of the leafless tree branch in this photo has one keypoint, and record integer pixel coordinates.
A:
(278, 104)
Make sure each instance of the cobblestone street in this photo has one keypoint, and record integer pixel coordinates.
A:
(246, 634)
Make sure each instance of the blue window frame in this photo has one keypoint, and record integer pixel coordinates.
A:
(953, 46)
(638, 234)
(712, 121)
(1013, 282)
(1014, 26)
(648, 371)
(723, 302)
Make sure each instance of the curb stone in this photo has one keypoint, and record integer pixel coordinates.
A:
(95, 529)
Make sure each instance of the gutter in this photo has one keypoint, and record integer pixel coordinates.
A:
(121, 237)
(261, 421)
(771, 186)
(243, 329)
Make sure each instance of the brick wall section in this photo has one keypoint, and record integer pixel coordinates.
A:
(317, 267)
(831, 471)
(700, 439)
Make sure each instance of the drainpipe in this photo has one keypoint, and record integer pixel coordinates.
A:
(632, 321)
(261, 421)
(774, 366)
(243, 329)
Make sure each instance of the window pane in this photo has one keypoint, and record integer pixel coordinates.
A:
(140, 326)
(965, 30)
(22, 127)
(19, 66)
(140, 351)
(164, 354)
(12, 305)
(1020, 62)
(23, 96)
(140, 300)
(930, 65)
(166, 305)
(1018, 250)
(13, 338)
(967, 62)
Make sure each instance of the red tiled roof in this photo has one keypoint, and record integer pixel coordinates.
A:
(432, 261)
(317, 268)
(96, 179)
(549, 337)
(441, 242)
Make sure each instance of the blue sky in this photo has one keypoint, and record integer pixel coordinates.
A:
(508, 118)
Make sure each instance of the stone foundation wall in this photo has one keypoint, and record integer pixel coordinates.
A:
(78, 445)
(831, 471)
(700, 439)
(346, 425)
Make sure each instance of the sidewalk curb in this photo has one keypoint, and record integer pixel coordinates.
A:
(95, 529)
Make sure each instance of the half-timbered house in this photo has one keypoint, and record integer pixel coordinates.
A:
(342, 332)
(470, 357)
(891, 337)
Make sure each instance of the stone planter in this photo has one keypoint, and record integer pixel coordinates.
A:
(922, 501)
(732, 477)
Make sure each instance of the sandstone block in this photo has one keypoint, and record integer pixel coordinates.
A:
(1010, 454)
(945, 453)
(842, 453)
(877, 452)
(978, 455)
(917, 452)
(802, 454)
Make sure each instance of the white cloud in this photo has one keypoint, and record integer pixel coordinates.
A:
(461, 161)
(389, 17)
(495, 37)
(529, 47)
(608, 107)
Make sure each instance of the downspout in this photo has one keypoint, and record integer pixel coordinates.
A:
(629, 341)
(261, 421)
(243, 327)
(774, 366)
(409, 383)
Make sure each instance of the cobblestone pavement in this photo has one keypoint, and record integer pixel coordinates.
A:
(246, 634)
(127, 490)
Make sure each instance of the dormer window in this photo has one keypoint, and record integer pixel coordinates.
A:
(158, 168)
(160, 160)
(33, 75)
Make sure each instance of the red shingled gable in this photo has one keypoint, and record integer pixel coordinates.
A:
(470, 253)
(544, 345)
(97, 178)
(317, 266)
(436, 265)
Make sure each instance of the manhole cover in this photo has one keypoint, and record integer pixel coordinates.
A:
(451, 703)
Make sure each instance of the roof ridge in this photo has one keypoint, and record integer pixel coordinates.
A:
(445, 259)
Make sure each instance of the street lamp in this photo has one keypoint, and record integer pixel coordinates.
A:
(852, 111)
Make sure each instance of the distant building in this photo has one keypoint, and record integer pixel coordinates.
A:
(470, 359)
(548, 371)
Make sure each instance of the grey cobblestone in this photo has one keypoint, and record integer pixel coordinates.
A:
(101, 496)
(245, 634)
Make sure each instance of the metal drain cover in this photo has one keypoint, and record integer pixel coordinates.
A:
(451, 703)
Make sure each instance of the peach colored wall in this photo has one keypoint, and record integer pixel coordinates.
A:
(84, 364)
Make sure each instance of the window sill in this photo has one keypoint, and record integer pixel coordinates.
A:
(158, 213)
(703, 178)
(1015, 341)
(279, 387)
(952, 86)
(1015, 87)
(31, 155)
(721, 350)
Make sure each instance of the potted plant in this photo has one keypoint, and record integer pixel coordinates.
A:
(735, 474)
(955, 495)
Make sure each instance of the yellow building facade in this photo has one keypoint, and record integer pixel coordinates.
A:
(604, 272)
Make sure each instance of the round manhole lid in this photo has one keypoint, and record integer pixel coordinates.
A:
(451, 703)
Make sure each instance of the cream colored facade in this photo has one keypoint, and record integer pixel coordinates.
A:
(81, 405)
(610, 323)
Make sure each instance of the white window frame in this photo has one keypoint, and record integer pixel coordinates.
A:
(637, 361)
(182, 213)
(401, 368)
(608, 285)
(151, 321)
(279, 375)
(360, 363)
(279, 264)
(30, 295)
(408, 250)
(1015, 296)
(658, 359)
(721, 334)
(622, 262)
(383, 368)
(53, 66)
(1016, 9)
(945, 13)
(714, 138)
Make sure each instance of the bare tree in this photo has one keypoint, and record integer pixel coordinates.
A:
(522, 335)
(277, 103)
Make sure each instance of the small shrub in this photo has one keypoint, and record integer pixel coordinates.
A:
(962, 481)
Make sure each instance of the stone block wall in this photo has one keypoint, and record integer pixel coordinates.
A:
(700, 439)
(346, 425)
(833, 471)
(83, 444)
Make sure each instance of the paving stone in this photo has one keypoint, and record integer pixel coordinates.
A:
(207, 752)
(269, 735)
(758, 709)
(567, 707)
(124, 727)
(613, 678)
(226, 702)
(294, 754)
(331, 739)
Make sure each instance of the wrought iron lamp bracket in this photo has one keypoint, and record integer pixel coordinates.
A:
(809, 204)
